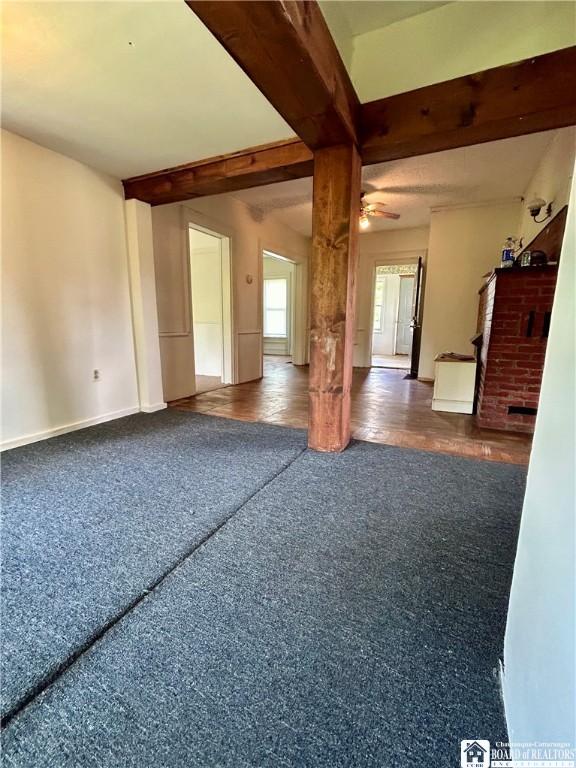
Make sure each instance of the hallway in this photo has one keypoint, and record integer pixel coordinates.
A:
(386, 408)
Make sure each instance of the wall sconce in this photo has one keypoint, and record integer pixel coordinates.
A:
(364, 222)
(536, 205)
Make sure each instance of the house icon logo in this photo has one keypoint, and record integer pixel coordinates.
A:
(475, 752)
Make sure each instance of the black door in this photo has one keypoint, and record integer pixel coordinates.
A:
(417, 321)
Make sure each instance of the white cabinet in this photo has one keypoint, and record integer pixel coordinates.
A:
(454, 385)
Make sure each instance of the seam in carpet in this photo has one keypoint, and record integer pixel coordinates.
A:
(50, 679)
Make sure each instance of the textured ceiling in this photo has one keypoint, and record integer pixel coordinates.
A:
(487, 172)
(127, 87)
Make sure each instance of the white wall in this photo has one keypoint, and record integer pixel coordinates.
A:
(66, 298)
(173, 295)
(551, 181)
(539, 674)
(465, 243)
(144, 305)
(457, 39)
(397, 246)
(206, 281)
(250, 233)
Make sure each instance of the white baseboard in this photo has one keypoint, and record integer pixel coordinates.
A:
(153, 408)
(37, 436)
(452, 406)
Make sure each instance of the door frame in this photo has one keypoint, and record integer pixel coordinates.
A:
(404, 259)
(226, 309)
(299, 300)
(291, 297)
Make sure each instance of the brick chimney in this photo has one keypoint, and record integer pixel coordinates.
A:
(514, 318)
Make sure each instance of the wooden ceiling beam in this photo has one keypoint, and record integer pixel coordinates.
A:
(537, 94)
(286, 49)
(266, 164)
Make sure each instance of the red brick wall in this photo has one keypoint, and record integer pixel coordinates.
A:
(513, 353)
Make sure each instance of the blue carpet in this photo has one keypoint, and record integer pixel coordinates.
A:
(92, 520)
(351, 613)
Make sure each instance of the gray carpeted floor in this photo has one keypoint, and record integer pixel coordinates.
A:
(350, 613)
(92, 520)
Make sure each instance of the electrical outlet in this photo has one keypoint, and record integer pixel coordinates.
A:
(96, 375)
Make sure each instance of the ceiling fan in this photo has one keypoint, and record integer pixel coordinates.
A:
(368, 209)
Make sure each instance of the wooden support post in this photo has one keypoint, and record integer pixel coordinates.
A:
(335, 217)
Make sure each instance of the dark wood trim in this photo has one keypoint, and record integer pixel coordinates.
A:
(252, 167)
(537, 94)
(286, 49)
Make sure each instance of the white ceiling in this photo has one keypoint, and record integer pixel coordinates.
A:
(347, 19)
(500, 170)
(366, 15)
(130, 87)
(127, 87)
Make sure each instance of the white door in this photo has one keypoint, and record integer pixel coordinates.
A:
(386, 296)
(206, 282)
(404, 332)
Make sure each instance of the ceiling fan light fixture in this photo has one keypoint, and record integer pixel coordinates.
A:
(364, 221)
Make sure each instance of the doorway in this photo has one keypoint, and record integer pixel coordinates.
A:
(278, 309)
(393, 314)
(210, 309)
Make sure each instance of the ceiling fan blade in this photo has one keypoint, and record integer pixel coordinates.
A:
(376, 205)
(383, 214)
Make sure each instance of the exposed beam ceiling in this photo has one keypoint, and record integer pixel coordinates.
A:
(253, 167)
(534, 95)
(538, 94)
(286, 49)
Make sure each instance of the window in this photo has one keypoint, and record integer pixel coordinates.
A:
(275, 307)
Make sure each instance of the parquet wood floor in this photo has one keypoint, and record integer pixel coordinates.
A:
(386, 408)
